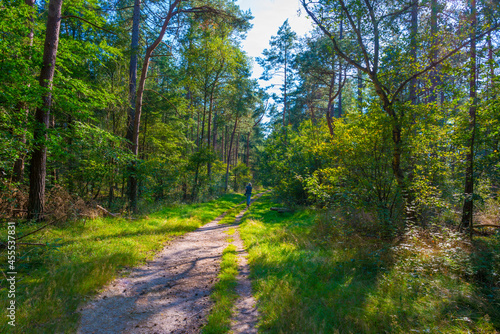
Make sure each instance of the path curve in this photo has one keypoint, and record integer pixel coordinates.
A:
(167, 295)
(171, 294)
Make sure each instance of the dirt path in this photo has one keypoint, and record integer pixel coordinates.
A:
(169, 294)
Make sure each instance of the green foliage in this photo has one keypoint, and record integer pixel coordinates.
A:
(241, 176)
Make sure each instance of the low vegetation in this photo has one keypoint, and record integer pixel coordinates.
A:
(314, 272)
(78, 258)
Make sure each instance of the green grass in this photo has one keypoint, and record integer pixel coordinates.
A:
(83, 256)
(313, 273)
(224, 294)
(231, 214)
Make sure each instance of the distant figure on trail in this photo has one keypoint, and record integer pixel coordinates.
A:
(248, 193)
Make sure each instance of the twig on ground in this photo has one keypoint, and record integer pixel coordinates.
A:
(107, 212)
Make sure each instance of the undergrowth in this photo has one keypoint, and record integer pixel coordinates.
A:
(315, 273)
(81, 257)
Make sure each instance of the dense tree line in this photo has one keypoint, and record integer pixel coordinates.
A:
(124, 102)
(393, 111)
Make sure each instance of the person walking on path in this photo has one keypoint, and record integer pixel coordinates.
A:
(248, 193)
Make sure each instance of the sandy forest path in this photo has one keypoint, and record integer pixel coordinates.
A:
(171, 294)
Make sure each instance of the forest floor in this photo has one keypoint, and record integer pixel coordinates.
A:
(171, 293)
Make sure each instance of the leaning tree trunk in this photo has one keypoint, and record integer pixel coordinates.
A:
(138, 103)
(468, 208)
(38, 167)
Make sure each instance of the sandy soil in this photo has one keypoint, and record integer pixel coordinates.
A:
(171, 294)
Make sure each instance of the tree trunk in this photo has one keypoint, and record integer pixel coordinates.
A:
(236, 151)
(330, 106)
(360, 91)
(360, 79)
(284, 92)
(214, 134)
(413, 48)
(229, 153)
(434, 50)
(134, 50)
(491, 65)
(224, 145)
(340, 71)
(248, 149)
(209, 163)
(138, 103)
(38, 168)
(468, 208)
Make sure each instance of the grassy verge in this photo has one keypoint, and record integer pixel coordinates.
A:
(224, 294)
(81, 257)
(313, 273)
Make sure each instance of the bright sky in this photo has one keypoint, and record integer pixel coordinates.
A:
(269, 15)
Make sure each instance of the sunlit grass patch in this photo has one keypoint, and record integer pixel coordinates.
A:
(315, 274)
(82, 257)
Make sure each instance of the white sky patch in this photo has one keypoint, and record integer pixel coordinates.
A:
(269, 15)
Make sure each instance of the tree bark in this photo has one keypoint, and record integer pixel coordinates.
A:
(38, 168)
(236, 151)
(209, 163)
(434, 50)
(330, 106)
(413, 48)
(229, 153)
(284, 92)
(491, 65)
(360, 91)
(340, 70)
(248, 149)
(134, 50)
(468, 207)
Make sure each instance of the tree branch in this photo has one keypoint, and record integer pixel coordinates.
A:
(84, 20)
(436, 63)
